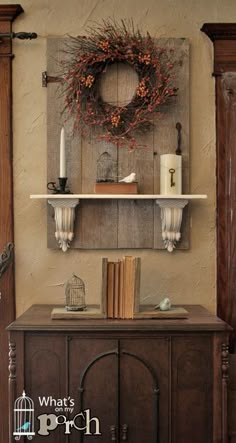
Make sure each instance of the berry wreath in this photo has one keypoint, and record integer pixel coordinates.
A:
(89, 58)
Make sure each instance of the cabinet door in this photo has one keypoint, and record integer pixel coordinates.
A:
(45, 377)
(93, 384)
(144, 390)
(192, 403)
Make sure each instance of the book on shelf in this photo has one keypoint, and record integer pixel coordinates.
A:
(116, 289)
(116, 188)
(128, 287)
(110, 289)
(121, 293)
(121, 290)
(137, 277)
(123, 287)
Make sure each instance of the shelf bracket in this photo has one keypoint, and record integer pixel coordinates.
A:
(64, 213)
(171, 219)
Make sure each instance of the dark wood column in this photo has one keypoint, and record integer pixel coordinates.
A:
(7, 301)
(223, 37)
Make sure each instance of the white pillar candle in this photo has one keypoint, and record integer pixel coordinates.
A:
(171, 174)
(62, 154)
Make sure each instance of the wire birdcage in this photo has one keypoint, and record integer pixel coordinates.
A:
(75, 294)
(106, 168)
(23, 417)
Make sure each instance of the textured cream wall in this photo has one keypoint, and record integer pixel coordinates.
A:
(185, 276)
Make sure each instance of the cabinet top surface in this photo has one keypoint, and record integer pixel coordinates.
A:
(38, 318)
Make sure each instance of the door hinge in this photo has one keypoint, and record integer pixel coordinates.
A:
(19, 35)
(49, 79)
(6, 258)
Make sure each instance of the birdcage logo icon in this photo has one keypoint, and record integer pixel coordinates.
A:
(23, 417)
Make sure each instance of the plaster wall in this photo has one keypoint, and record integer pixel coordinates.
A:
(184, 276)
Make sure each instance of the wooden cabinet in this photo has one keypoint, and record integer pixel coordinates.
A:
(147, 381)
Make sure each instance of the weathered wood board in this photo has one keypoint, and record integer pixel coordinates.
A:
(150, 312)
(104, 224)
(91, 312)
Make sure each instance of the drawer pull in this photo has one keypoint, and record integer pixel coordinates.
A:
(113, 432)
(124, 431)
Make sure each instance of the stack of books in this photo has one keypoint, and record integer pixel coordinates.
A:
(123, 287)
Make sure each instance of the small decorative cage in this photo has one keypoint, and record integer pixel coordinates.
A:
(106, 168)
(24, 417)
(75, 294)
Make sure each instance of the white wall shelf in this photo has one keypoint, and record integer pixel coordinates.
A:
(171, 212)
(120, 196)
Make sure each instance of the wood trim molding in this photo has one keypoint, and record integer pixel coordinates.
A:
(7, 285)
(10, 12)
(223, 36)
(220, 31)
(12, 385)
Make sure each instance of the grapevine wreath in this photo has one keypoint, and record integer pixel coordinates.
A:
(89, 58)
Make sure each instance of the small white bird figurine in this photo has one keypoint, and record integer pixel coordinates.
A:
(129, 179)
(164, 305)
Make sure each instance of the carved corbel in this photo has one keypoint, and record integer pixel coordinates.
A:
(171, 219)
(64, 211)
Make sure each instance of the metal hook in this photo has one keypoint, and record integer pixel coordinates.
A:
(179, 139)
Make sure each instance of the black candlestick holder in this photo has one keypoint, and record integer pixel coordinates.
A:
(61, 189)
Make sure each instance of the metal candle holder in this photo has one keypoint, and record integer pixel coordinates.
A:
(61, 189)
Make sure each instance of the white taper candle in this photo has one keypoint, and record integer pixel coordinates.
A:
(171, 174)
(62, 154)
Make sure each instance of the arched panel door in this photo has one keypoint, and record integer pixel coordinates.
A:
(192, 400)
(125, 384)
(94, 385)
(144, 391)
(45, 380)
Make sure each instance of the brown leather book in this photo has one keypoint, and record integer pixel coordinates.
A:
(116, 289)
(131, 288)
(129, 265)
(121, 290)
(110, 289)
